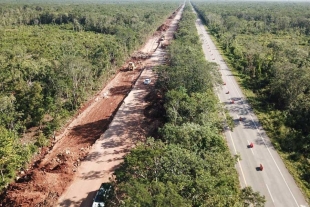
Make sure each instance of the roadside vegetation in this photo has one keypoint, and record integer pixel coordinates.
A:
(268, 46)
(189, 164)
(53, 57)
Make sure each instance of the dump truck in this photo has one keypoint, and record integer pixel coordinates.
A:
(131, 66)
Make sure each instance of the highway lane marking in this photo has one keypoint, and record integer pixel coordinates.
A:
(257, 129)
(230, 98)
(252, 119)
(233, 145)
(251, 148)
(274, 161)
(270, 193)
(242, 173)
(264, 144)
(245, 103)
(231, 138)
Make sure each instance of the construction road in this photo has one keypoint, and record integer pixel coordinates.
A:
(274, 181)
(123, 133)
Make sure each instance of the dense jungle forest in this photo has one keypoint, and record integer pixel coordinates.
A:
(268, 45)
(55, 56)
(190, 163)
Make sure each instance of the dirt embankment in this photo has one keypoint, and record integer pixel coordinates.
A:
(54, 168)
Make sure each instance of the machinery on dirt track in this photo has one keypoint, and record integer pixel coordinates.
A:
(164, 44)
(162, 38)
(131, 66)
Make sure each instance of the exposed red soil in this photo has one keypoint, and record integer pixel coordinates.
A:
(163, 27)
(53, 169)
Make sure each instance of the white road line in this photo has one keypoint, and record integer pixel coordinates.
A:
(238, 159)
(270, 193)
(233, 144)
(263, 142)
(233, 83)
(267, 148)
(274, 162)
(231, 138)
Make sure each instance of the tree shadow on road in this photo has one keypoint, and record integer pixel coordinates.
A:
(237, 99)
(115, 167)
(266, 141)
(234, 108)
(93, 156)
(115, 159)
(85, 202)
(93, 175)
(71, 203)
(249, 124)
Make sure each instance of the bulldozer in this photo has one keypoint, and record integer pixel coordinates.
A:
(131, 66)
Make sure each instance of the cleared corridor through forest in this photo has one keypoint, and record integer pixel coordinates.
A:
(123, 133)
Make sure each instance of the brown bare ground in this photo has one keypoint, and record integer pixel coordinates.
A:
(52, 171)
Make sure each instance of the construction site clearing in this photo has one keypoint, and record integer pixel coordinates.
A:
(54, 168)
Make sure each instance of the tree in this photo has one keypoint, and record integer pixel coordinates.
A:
(251, 198)
(9, 156)
(190, 165)
(193, 137)
(270, 53)
(8, 114)
(171, 175)
(29, 104)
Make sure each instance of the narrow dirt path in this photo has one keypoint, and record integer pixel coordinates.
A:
(124, 131)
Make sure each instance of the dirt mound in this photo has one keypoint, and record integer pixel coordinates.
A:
(40, 184)
(137, 55)
(162, 27)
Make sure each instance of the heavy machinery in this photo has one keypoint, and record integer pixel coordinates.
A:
(164, 44)
(162, 38)
(131, 66)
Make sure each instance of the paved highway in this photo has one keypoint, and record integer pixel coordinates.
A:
(274, 181)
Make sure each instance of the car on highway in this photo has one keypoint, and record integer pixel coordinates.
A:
(147, 81)
(103, 195)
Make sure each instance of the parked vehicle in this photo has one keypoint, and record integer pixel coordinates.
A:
(102, 195)
(147, 81)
